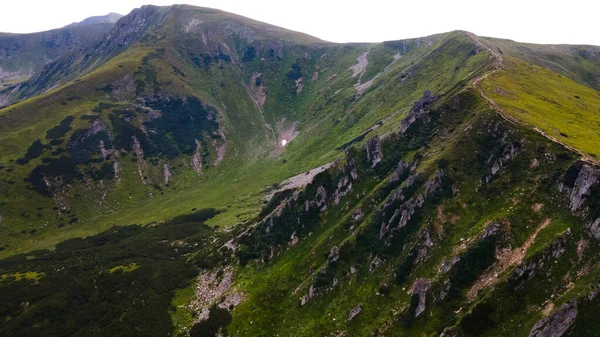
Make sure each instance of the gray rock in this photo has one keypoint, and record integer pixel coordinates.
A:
(587, 177)
(419, 110)
(398, 171)
(321, 198)
(334, 254)
(374, 152)
(420, 288)
(357, 215)
(557, 323)
(357, 309)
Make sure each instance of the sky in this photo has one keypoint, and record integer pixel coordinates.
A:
(535, 21)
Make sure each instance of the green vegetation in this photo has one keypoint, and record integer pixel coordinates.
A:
(562, 108)
(437, 211)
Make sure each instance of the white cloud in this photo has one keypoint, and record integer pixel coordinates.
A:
(534, 21)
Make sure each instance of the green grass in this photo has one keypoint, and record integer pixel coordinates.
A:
(124, 269)
(562, 108)
(30, 275)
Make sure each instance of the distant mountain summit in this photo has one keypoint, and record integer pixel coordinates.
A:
(108, 18)
(23, 55)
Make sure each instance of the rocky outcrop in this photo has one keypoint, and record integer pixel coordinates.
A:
(357, 309)
(374, 152)
(399, 171)
(557, 323)
(594, 229)
(529, 269)
(586, 178)
(197, 158)
(334, 255)
(510, 150)
(166, 173)
(420, 288)
(419, 110)
(344, 187)
(321, 198)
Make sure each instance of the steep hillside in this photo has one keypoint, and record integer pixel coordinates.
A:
(115, 140)
(287, 186)
(23, 55)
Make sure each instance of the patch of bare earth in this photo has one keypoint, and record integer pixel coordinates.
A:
(300, 180)
(505, 259)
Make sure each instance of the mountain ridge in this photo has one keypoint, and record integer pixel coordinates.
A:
(452, 196)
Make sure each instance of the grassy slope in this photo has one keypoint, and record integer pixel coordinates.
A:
(557, 105)
(233, 185)
(581, 63)
(468, 140)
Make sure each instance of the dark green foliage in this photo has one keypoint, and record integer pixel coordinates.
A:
(472, 263)
(218, 319)
(55, 142)
(204, 61)
(62, 166)
(572, 173)
(478, 320)
(35, 150)
(178, 71)
(249, 54)
(105, 171)
(79, 296)
(182, 122)
(296, 71)
(106, 88)
(83, 146)
(223, 56)
(100, 107)
(61, 129)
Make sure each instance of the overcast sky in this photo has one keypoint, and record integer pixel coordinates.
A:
(537, 21)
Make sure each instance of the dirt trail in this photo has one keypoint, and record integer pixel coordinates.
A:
(497, 67)
(506, 259)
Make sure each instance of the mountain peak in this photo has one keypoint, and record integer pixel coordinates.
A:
(108, 18)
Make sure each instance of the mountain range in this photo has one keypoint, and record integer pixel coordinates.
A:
(186, 171)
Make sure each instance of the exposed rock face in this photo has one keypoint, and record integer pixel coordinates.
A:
(142, 166)
(344, 187)
(528, 269)
(334, 254)
(594, 229)
(357, 309)
(357, 215)
(374, 152)
(420, 288)
(419, 110)
(587, 177)
(511, 150)
(166, 173)
(448, 264)
(400, 169)
(446, 285)
(197, 159)
(128, 29)
(489, 231)
(556, 324)
(321, 198)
